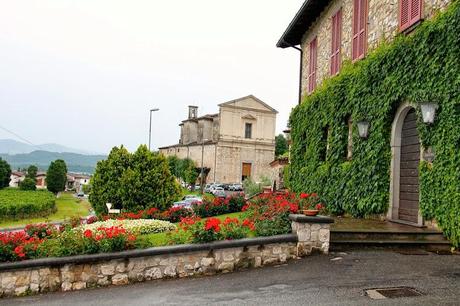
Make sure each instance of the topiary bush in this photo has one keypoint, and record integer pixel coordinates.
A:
(133, 182)
(423, 66)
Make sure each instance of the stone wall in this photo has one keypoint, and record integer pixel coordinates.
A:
(98, 270)
(382, 25)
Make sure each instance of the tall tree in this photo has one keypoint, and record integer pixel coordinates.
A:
(5, 173)
(32, 172)
(56, 176)
(106, 181)
(281, 145)
(148, 182)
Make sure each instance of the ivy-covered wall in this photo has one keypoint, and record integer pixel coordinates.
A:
(422, 66)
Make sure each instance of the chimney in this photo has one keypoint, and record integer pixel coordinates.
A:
(192, 112)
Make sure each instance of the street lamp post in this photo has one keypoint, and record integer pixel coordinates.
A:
(150, 125)
(202, 169)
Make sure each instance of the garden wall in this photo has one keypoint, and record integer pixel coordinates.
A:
(310, 234)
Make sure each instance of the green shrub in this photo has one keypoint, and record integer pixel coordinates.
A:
(423, 66)
(133, 182)
(27, 184)
(17, 204)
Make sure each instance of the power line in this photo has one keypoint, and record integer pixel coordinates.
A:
(18, 136)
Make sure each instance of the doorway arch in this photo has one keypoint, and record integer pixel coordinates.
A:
(406, 156)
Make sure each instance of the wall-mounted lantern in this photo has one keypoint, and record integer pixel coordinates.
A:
(428, 111)
(363, 129)
(287, 133)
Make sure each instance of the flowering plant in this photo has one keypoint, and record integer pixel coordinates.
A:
(18, 246)
(219, 206)
(196, 230)
(142, 226)
(41, 230)
(269, 212)
(310, 201)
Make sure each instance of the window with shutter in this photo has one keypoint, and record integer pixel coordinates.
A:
(312, 66)
(336, 42)
(359, 29)
(410, 12)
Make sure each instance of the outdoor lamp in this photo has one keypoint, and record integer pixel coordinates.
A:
(428, 111)
(363, 129)
(287, 132)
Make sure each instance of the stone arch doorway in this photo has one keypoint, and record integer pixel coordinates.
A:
(405, 185)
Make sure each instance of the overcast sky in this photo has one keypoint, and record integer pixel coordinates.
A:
(84, 73)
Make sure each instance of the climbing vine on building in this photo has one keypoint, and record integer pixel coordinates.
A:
(423, 66)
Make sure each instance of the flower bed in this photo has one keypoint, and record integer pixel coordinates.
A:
(138, 226)
(15, 204)
(196, 230)
(219, 206)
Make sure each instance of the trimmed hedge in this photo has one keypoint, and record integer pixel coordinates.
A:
(423, 66)
(18, 204)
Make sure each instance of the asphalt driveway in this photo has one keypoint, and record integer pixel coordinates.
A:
(336, 279)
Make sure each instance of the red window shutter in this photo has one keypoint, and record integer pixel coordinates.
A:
(359, 29)
(336, 42)
(410, 12)
(415, 11)
(404, 13)
(312, 66)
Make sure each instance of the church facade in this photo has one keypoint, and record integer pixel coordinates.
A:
(236, 143)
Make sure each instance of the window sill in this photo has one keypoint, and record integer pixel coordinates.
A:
(410, 28)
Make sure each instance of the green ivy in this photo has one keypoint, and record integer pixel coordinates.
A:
(422, 66)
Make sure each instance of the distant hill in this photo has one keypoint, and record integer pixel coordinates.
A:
(75, 162)
(11, 146)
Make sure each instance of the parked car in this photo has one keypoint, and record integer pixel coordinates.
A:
(187, 201)
(236, 187)
(207, 188)
(81, 194)
(226, 186)
(219, 192)
(216, 190)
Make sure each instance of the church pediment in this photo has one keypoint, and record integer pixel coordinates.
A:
(248, 117)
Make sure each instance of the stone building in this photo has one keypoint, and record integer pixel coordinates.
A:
(236, 143)
(329, 32)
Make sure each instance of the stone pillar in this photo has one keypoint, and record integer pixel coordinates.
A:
(313, 233)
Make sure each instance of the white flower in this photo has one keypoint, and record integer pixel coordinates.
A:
(139, 226)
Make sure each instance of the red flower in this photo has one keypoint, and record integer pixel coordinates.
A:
(319, 206)
(314, 195)
(249, 224)
(131, 238)
(305, 195)
(19, 250)
(212, 223)
(88, 233)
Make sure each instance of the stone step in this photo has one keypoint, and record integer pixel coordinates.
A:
(380, 235)
(354, 244)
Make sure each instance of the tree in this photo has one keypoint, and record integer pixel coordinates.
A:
(56, 176)
(281, 145)
(28, 184)
(5, 173)
(173, 163)
(133, 181)
(32, 172)
(188, 171)
(106, 181)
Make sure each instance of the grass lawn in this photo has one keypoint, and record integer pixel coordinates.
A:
(161, 239)
(67, 206)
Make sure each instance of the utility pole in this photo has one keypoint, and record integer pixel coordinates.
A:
(150, 125)
(202, 169)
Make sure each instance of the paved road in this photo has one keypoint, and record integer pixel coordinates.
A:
(316, 280)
